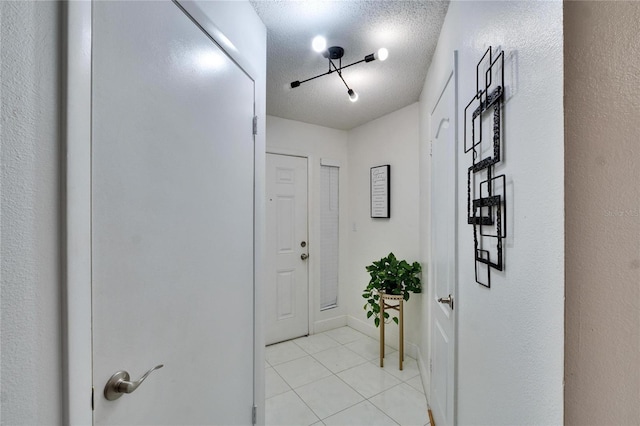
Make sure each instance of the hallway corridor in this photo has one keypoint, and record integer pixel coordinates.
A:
(333, 378)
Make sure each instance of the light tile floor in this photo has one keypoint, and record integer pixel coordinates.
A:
(333, 378)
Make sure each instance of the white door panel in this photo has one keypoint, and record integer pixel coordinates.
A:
(287, 273)
(443, 255)
(285, 294)
(172, 219)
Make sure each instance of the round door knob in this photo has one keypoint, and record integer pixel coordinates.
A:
(304, 256)
(447, 301)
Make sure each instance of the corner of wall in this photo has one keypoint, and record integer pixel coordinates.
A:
(392, 139)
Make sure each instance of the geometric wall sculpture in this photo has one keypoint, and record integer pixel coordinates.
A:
(486, 201)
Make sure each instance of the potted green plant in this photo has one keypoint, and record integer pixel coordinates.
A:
(390, 276)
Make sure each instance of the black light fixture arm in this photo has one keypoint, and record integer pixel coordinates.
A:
(355, 63)
(336, 52)
(297, 83)
(339, 71)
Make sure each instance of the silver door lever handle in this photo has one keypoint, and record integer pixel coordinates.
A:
(119, 384)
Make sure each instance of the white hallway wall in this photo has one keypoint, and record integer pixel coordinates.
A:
(30, 215)
(392, 139)
(31, 339)
(532, 342)
(510, 337)
(31, 198)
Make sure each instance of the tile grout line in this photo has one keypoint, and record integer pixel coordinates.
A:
(369, 361)
(294, 389)
(364, 398)
(333, 374)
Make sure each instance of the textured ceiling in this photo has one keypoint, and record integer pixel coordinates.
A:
(408, 29)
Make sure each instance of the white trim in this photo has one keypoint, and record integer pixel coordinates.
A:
(289, 152)
(456, 283)
(424, 374)
(451, 76)
(77, 328)
(329, 162)
(330, 323)
(201, 19)
(311, 261)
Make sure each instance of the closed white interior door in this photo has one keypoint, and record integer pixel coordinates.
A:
(443, 255)
(172, 219)
(287, 249)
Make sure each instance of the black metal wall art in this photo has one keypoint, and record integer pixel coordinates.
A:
(486, 201)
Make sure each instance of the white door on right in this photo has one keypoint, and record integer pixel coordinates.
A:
(287, 295)
(443, 254)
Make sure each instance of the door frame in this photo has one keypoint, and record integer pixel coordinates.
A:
(451, 75)
(312, 256)
(77, 369)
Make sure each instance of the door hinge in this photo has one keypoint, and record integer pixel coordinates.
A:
(93, 391)
(431, 148)
(430, 366)
(255, 124)
(254, 414)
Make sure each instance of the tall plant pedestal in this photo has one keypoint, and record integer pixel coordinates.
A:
(399, 306)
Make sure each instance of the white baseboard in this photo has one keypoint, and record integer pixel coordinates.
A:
(391, 335)
(329, 324)
(425, 374)
(363, 327)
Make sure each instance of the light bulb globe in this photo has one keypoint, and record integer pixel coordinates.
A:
(382, 54)
(353, 96)
(319, 44)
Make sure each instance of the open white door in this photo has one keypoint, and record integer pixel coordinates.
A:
(172, 192)
(443, 254)
(287, 295)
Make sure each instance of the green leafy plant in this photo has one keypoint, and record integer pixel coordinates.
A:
(390, 276)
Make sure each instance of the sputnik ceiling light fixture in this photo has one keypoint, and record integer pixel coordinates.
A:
(319, 44)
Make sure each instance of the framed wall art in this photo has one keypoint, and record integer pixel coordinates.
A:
(380, 178)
